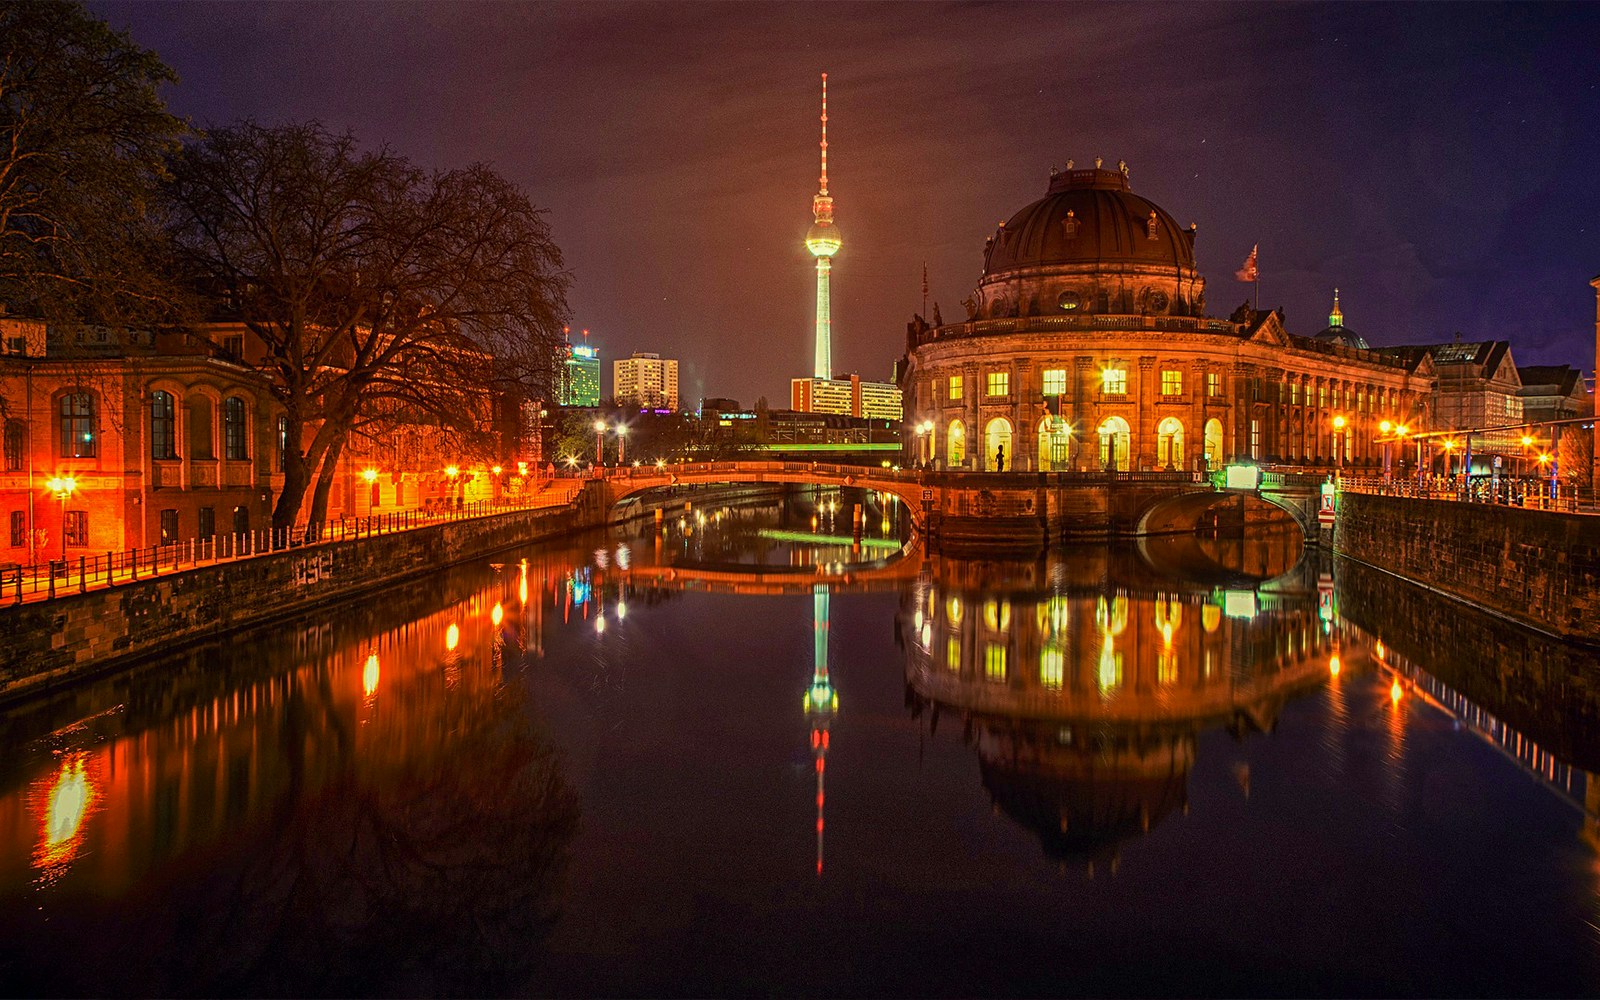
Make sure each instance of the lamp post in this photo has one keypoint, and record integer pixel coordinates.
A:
(1384, 428)
(622, 444)
(1338, 446)
(450, 473)
(599, 443)
(62, 487)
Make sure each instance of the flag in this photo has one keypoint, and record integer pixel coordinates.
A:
(1247, 272)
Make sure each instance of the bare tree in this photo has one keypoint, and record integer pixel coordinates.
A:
(376, 287)
(83, 141)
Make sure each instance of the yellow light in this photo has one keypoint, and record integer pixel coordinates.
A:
(66, 808)
(1106, 376)
(1526, 441)
(622, 610)
(452, 471)
(599, 425)
(1544, 457)
(1396, 692)
(495, 470)
(369, 675)
(452, 637)
(661, 463)
(522, 590)
(1334, 665)
(622, 430)
(1338, 423)
(497, 614)
(370, 475)
(62, 484)
(1385, 427)
(1166, 633)
(1449, 446)
(522, 468)
(1402, 430)
(600, 623)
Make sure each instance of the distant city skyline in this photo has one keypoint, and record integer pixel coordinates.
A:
(1432, 162)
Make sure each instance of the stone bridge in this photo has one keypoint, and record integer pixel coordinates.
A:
(1009, 510)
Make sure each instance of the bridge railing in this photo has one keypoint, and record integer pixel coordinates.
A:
(1533, 494)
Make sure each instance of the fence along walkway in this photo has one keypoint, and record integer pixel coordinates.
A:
(1533, 494)
(82, 573)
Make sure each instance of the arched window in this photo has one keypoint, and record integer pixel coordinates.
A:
(77, 425)
(1169, 443)
(997, 445)
(235, 431)
(199, 443)
(1053, 439)
(1114, 444)
(163, 425)
(956, 441)
(1213, 443)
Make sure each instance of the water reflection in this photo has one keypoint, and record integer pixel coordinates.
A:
(1083, 688)
(387, 799)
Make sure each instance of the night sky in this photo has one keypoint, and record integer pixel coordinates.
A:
(1439, 164)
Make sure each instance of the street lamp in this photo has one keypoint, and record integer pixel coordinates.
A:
(1384, 427)
(599, 443)
(62, 487)
(451, 472)
(1338, 445)
(622, 443)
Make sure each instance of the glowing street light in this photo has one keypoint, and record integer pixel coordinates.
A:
(1338, 443)
(622, 442)
(370, 475)
(599, 443)
(63, 487)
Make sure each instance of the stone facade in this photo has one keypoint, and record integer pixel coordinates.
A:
(1538, 567)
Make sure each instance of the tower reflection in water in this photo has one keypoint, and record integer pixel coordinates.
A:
(1083, 683)
(821, 702)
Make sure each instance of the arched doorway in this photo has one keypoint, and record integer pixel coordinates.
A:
(956, 445)
(1213, 443)
(997, 452)
(1169, 443)
(1054, 437)
(1114, 444)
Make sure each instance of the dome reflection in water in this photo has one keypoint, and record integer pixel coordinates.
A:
(1083, 681)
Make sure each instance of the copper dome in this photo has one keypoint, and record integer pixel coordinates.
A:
(1090, 217)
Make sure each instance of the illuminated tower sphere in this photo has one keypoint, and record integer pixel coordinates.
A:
(822, 239)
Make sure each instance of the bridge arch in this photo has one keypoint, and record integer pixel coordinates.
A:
(903, 486)
(1181, 514)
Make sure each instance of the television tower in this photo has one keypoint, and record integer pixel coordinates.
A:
(821, 701)
(822, 239)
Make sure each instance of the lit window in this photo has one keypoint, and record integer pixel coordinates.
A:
(999, 383)
(956, 388)
(1171, 383)
(994, 661)
(1115, 381)
(77, 529)
(1055, 382)
(1052, 666)
(1213, 383)
(952, 654)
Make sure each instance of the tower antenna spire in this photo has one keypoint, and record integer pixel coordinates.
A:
(824, 178)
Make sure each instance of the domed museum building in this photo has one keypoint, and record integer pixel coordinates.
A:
(1087, 347)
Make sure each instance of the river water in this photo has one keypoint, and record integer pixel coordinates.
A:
(670, 761)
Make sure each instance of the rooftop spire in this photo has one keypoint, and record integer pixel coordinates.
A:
(1336, 318)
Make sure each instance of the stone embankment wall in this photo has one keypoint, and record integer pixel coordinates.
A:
(53, 642)
(1539, 567)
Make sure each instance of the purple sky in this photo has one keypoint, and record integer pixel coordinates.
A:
(1440, 164)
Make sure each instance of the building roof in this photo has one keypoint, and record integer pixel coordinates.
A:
(1485, 355)
(1089, 217)
(1561, 380)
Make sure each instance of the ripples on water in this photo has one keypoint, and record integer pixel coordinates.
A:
(743, 754)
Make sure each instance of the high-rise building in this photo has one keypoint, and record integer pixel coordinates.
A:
(849, 395)
(580, 376)
(823, 241)
(646, 380)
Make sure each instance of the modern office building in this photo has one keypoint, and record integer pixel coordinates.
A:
(580, 376)
(851, 396)
(646, 380)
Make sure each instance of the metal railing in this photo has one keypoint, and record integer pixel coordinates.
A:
(1506, 491)
(80, 573)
